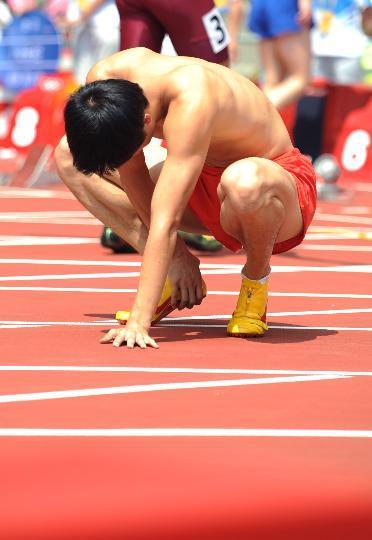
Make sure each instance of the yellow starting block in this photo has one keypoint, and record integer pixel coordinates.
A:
(164, 307)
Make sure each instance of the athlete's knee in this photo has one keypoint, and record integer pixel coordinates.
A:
(299, 81)
(243, 184)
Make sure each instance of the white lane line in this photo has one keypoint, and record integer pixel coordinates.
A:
(357, 268)
(276, 327)
(356, 210)
(208, 371)
(276, 314)
(8, 326)
(168, 323)
(54, 221)
(220, 268)
(210, 293)
(78, 289)
(141, 388)
(335, 229)
(333, 247)
(203, 266)
(21, 193)
(339, 236)
(84, 262)
(186, 432)
(214, 317)
(322, 232)
(337, 218)
(26, 324)
(366, 269)
(47, 214)
(319, 312)
(70, 276)
(45, 240)
(70, 262)
(57, 217)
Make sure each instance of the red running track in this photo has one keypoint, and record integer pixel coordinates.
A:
(208, 437)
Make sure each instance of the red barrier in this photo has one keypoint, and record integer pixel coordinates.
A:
(353, 148)
(341, 101)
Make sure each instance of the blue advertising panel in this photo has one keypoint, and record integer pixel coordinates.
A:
(30, 46)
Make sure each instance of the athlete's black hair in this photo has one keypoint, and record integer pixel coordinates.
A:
(104, 123)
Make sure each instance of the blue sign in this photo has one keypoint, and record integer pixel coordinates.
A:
(30, 47)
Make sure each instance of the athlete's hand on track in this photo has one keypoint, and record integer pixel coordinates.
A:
(185, 277)
(132, 334)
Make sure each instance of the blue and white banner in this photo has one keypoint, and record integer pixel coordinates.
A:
(30, 46)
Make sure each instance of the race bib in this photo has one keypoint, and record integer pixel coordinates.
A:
(216, 30)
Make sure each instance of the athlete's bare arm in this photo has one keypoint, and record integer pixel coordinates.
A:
(188, 128)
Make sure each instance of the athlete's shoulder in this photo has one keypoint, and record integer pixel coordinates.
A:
(189, 76)
(117, 64)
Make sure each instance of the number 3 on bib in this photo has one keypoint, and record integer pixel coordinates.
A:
(216, 30)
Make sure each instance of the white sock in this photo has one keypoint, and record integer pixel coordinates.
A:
(262, 280)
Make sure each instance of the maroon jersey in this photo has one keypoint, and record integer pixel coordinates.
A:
(195, 28)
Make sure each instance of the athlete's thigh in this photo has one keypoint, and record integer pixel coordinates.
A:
(195, 28)
(293, 52)
(271, 66)
(190, 222)
(267, 179)
(138, 26)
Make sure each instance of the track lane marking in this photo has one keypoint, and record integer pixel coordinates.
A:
(337, 218)
(141, 388)
(325, 247)
(4, 325)
(212, 371)
(21, 193)
(203, 266)
(6, 241)
(185, 432)
(210, 293)
(366, 269)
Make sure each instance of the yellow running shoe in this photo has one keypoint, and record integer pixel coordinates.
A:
(249, 317)
(164, 306)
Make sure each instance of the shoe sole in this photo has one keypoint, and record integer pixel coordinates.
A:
(244, 335)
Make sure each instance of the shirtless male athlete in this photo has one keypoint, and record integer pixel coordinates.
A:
(196, 29)
(230, 169)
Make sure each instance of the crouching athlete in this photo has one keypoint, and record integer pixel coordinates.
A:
(230, 171)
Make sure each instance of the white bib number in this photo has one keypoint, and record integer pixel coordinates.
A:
(216, 30)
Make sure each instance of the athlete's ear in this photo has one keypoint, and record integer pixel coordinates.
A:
(147, 119)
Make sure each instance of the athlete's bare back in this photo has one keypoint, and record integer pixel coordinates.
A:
(244, 123)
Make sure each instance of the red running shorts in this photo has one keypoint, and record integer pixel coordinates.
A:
(205, 204)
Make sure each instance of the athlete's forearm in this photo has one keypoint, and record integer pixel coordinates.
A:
(160, 247)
